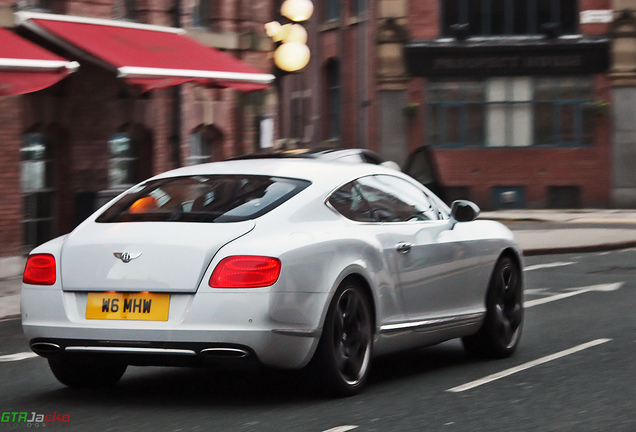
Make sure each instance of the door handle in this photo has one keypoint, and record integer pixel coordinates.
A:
(404, 248)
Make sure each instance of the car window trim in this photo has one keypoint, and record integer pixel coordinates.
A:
(442, 213)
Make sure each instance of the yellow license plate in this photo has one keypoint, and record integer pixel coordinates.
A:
(128, 306)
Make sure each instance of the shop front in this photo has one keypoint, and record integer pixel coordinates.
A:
(75, 140)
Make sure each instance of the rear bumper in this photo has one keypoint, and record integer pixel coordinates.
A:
(273, 329)
(143, 353)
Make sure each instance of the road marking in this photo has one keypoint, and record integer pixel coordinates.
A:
(514, 370)
(17, 357)
(342, 428)
(581, 290)
(539, 291)
(548, 265)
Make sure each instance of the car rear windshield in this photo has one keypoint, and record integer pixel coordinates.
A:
(214, 198)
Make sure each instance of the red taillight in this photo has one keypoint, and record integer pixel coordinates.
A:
(245, 271)
(40, 270)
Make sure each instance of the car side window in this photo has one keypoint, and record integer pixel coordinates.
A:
(393, 199)
(349, 202)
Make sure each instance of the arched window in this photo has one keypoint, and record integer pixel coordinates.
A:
(37, 189)
(205, 143)
(130, 150)
(123, 166)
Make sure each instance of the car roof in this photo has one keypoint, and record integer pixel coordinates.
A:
(315, 170)
(327, 153)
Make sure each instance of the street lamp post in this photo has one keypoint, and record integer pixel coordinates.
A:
(292, 53)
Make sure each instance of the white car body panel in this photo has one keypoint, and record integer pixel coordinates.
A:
(164, 261)
(433, 293)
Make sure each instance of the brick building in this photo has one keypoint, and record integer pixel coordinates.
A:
(515, 100)
(510, 91)
(67, 148)
(512, 98)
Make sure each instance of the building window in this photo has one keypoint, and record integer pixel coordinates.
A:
(508, 112)
(38, 5)
(203, 141)
(511, 112)
(510, 17)
(202, 14)
(37, 189)
(357, 7)
(298, 111)
(333, 10)
(123, 169)
(126, 10)
(200, 149)
(333, 99)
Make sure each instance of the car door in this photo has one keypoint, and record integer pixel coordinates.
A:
(433, 263)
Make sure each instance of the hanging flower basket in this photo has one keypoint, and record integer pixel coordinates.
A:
(597, 108)
(410, 110)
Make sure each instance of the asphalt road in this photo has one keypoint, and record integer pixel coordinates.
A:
(574, 371)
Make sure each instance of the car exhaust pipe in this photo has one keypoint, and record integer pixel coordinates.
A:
(44, 348)
(224, 353)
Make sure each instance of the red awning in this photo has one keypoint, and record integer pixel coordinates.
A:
(26, 67)
(148, 56)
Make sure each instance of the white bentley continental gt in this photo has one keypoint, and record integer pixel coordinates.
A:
(284, 263)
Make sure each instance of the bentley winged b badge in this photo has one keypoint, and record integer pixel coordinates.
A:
(126, 257)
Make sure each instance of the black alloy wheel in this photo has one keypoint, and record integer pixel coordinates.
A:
(500, 334)
(343, 356)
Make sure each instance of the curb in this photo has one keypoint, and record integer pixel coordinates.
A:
(9, 318)
(518, 219)
(603, 247)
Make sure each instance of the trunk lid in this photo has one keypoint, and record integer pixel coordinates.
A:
(143, 256)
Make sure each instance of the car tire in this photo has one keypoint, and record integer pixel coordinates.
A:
(500, 333)
(343, 357)
(87, 374)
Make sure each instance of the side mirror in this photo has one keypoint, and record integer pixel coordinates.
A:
(464, 211)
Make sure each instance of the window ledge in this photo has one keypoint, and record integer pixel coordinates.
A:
(356, 20)
(330, 25)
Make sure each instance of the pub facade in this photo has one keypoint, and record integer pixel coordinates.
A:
(515, 101)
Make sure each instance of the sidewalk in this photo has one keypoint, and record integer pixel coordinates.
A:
(10, 297)
(544, 232)
(605, 217)
(539, 232)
